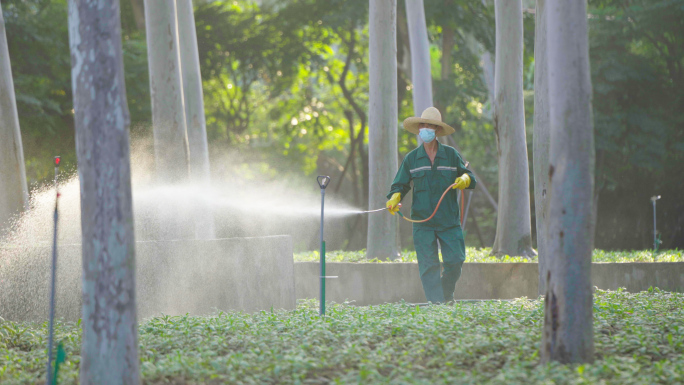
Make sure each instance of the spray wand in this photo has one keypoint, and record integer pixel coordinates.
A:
(422, 220)
(436, 207)
(53, 278)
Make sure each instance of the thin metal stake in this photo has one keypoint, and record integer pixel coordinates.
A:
(655, 237)
(323, 182)
(53, 279)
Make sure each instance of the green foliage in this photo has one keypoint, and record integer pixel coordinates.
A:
(483, 255)
(639, 339)
(38, 40)
(37, 37)
(637, 60)
(286, 85)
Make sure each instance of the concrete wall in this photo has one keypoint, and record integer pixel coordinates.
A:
(173, 277)
(373, 283)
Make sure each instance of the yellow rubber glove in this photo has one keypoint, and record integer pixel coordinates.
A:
(462, 182)
(393, 203)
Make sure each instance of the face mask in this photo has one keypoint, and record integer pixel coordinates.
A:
(427, 135)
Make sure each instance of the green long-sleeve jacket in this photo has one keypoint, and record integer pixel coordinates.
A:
(429, 182)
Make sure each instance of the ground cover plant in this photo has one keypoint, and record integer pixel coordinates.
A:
(484, 255)
(639, 340)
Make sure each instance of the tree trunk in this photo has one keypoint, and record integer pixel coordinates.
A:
(109, 351)
(192, 92)
(488, 74)
(13, 187)
(383, 230)
(541, 138)
(194, 112)
(488, 68)
(513, 228)
(421, 74)
(568, 334)
(138, 14)
(166, 90)
(447, 49)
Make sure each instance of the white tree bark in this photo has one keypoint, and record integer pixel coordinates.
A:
(166, 90)
(194, 112)
(383, 230)
(192, 92)
(421, 74)
(513, 228)
(540, 152)
(109, 351)
(13, 187)
(488, 74)
(568, 334)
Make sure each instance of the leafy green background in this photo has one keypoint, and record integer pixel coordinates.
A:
(286, 87)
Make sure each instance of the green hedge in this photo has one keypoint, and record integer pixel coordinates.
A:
(483, 255)
(639, 339)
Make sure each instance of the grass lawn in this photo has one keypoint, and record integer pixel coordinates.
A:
(639, 339)
(483, 255)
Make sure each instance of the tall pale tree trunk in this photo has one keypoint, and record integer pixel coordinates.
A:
(488, 74)
(540, 152)
(109, 351)
(568, 334)
(13, 187)
(421, 74)
(383, 230)
(194, 111)
(166, 90)
(513, 228)
(138, 13)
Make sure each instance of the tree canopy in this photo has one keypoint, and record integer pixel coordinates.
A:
(286, 83)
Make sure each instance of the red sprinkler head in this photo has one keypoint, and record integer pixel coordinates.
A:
(57, 160)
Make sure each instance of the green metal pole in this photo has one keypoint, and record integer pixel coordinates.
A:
(323, 181)
(322, 312)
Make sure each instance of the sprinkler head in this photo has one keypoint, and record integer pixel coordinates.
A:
(655, 198)
(57, 160)
(323, 181)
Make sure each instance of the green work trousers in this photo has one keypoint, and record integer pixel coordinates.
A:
(439, 288)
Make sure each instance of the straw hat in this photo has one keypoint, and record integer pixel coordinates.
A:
(431, 115)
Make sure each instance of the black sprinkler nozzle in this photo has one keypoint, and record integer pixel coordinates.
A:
(323, 181)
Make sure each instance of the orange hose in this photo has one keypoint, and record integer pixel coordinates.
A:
(437, 207)
(462, 202)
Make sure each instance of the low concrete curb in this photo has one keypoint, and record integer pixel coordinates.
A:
(173, 277)
(375, 283)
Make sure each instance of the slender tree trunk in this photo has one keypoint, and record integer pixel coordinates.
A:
(568, 334)
(488, 73)
(192, 93)
(363, 154)
(513, 228)
(138, 14)
(13, 187)
(447, 48)
(445, 74)
(541, 138)
(166, 90)
(194, 113)
(109, 352)
(488, 69)
(383, 230)
(421, 74)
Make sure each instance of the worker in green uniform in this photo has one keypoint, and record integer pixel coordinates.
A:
(433, 167)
